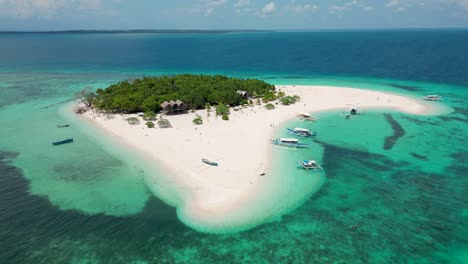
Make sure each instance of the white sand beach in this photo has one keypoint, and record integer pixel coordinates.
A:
(241, 146)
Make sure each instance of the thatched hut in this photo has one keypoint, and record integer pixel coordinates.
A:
(243, 94)
(173, 107)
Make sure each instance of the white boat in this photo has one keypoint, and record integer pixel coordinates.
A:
(289, 143)
(302, 132)
(433, 97)
(310, 165)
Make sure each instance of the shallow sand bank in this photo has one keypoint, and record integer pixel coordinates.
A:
(226, 197)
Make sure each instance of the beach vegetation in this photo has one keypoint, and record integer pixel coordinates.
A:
(80, 110)
(281, 94)
(149, 116)
(268, 97)
(196, 91)
(150, 124)
(198, 120)
(225, 117)
(222, 110)
(133, 121)
(270, 106)
(164, 123)
(288, 100)
(86, 96)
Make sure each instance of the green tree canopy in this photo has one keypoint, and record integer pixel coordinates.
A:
(196, 91)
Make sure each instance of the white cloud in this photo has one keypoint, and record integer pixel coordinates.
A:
(298, 8)
(211, 5)
(90, 4)
(243, 6)
(402, 5)
(209, 11)
(214, 2)
(269, 8)
(242, 3)
(368, 8)
(333, 9)
(24, 9)
(31, 8)
(462, 3)
(393, 3)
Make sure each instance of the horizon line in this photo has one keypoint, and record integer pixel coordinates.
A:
(222, 30)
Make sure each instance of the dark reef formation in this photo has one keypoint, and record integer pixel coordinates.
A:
(405, 87)
(398, 132)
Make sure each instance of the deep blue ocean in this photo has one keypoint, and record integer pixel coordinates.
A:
(86, 206)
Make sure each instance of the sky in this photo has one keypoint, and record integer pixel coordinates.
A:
(45, 15)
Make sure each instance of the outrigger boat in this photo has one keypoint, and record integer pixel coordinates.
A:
(289, 143)
(433, 97)
(212, 163)
(70, 140)
(306, 116)
(310, 165)
(302, 132)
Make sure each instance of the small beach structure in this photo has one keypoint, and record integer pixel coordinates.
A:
(310, 165)
(301, 132)
(243, 94)
(66, 141)
(306, 116)
(173, 107)
(433, 97)
(289, 143)
(207, 161)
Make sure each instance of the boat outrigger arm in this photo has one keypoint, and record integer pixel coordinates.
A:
(310, 165)
(289, 143)
(302, 132)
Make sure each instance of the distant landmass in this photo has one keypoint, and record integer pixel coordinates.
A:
(139, 31)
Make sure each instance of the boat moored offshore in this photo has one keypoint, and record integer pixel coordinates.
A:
(289, 143)
(302, 132)
(310, 165)
(70, 140)
(433, 97)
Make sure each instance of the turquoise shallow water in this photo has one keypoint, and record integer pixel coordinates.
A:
(409, 202)
(401, 179)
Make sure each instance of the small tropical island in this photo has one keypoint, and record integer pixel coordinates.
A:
(196, 91)
(213, 136)
(181, 93)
